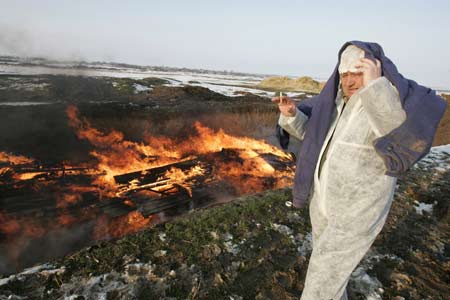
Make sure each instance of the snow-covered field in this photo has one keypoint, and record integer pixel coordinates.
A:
(229, 85)
(225, 84)
(24, 103)
(438, 160)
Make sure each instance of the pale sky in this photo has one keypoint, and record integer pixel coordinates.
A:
(282, 37)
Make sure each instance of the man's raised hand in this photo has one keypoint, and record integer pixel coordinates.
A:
(286, 106)
(370, 69)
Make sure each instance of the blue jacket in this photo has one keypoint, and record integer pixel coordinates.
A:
(399, 149)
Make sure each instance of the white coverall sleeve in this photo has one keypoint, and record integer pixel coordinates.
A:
(381, 101)
(295, 126)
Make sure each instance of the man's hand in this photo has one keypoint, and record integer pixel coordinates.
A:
(286, 105)
(371, 70)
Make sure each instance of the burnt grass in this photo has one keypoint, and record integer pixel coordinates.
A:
(245, 249)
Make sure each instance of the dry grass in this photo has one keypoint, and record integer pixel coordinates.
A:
(300, 84)
(443, 133)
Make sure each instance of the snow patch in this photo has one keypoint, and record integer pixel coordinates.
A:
(24, 103)
(134, 271)
(420, 207)
(139, 88)
(162, 236)
(304, 243)
(232, 248)
(44, 270)
(6, 280)
(438, 159)
(442, 148)
(36, 269)
(367, 285)
(283, 229)
(363, 283)
(97, 287)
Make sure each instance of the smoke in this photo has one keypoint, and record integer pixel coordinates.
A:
(16, 41)
(25, 252)
(40, 42)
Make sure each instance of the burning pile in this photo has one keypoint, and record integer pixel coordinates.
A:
(127, 183)
(117, 156)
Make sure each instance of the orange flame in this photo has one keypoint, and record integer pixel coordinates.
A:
(20, 227)
(8, 226)
(176, 176)
(14, 159)
(10, 159)
(117, 156)
(130, 223)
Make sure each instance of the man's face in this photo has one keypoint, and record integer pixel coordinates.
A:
(351, 82)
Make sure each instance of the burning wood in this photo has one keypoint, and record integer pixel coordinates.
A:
(192, 173)
(164, 179)
(127, 183)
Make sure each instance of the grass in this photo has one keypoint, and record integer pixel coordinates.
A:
(197, 244)
(286, 84)
(125, 86)
(443, 133)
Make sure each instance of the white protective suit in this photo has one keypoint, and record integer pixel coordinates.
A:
(351, 195)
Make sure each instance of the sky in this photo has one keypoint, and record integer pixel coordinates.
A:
(294, 38)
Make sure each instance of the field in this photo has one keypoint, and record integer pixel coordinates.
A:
(251, 246)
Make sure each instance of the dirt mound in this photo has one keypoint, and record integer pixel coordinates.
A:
(443, 133)
(287, 84)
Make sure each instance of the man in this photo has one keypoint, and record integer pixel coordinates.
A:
(368, 125)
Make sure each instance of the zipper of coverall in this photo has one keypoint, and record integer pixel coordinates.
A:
(330, 151)
(321, 157)
(324, 153)
(327, 139)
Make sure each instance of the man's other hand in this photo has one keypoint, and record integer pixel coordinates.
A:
(286, 105)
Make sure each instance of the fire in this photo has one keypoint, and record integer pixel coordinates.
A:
(64, 200)
(11, 226)
(176, 176)
(27, 176)
(207, 140)
(129, 174)
(130, 223)
(8, 159)
(14, 159)
(117, 156)
(67, 220)
(114, 154)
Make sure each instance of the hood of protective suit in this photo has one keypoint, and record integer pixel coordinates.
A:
(349, 58)
(399, 149)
